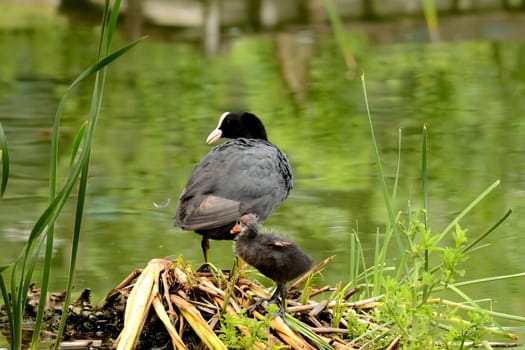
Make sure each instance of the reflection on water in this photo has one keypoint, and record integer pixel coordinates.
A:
(164, 97)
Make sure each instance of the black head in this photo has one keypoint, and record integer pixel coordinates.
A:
(233, 125)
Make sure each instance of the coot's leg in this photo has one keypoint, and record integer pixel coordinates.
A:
(283, 294)
(205, 245)
(275, 296)
(273, 299)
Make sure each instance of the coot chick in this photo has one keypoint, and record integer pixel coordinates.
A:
(247, 174)
(275, 257)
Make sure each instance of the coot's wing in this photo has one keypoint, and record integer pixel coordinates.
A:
(276, 243)
(240, 176)
(280, 244)
(205, 212)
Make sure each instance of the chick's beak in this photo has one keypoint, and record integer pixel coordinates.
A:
(235, 229)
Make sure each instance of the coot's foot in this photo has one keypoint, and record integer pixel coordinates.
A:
(259, 302)
(278, 296)
(204, 268)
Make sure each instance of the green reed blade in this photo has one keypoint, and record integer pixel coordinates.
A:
(74, 248)
(4, 154)
(431, 19)
(5, 295)
(398, 167)
(486, 279)
(391, 228)
(96, 106)
(475, 307)
(82, 166)
(341, 37)
(488, 232)
(77, 142)
(301, 328)
(424, 176)
(104, 62)
(112, 23)
(468, 209)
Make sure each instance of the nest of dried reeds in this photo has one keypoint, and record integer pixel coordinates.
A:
(190, 306)
(169, 305)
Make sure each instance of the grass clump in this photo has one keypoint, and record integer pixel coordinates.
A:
(413, 310)
(15, 288)
(418, 321)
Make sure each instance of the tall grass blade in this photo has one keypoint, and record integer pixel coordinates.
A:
(474, 243)
(29, 259)
(23, 267)
(378, 265)
(26, 262)
(104, 62)
(424, 176)
(431, 18)
(50, 237)
(74, 248)
(8, 307)
(468, 209)
(354, 265)
(398, 168)
(379, 329)
(391, 228)
(377, 155)
(359, 264)
(301, 328)
(476, 308)
(98, 92)
(487, 279)
(402, 260)
(366, 270)
(488, 232)
(4, 154)
(77, 142)
(341, 37)
(112, 23)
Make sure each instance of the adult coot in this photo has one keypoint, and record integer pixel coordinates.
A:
(275, 257)
(247, 174)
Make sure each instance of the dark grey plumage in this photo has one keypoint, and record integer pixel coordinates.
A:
(278, 258)
(247, 174)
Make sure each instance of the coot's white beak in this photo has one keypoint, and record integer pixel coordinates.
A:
(214, 136)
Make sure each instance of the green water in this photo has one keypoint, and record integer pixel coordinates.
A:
(164, 97)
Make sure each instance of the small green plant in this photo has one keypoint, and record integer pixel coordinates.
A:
(241, 332)
(411, 311)
(407, 302)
